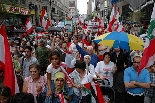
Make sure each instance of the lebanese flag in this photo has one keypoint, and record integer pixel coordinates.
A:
(81, 20)
(100, 26)
(28, 26)
(61, 97)
(6, 61)
(97, 90)
(119, 28)
(85, 28)
(112, 20)
(45, 22)
(149, 51)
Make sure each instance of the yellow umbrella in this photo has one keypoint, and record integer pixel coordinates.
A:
(120, 40)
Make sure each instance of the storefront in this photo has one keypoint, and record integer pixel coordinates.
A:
(13, 15)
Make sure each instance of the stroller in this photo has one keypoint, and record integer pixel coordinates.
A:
(107, 91)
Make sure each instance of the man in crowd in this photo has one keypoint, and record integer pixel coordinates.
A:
(42, 53)
(94, 58)
(136, 84)
(27, 60)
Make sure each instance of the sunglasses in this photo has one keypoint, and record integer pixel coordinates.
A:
(136, 62)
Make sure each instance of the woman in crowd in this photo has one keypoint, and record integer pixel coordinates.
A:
(89, 67)
(60, 94)
(95, 47)
(5, 94)
(105, 70)
(35, 83)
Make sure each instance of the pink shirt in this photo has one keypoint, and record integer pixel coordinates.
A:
(32, 86)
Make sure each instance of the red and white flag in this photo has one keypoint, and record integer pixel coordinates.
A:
(96, 87)
(45, 22)
(28, 26)
(81, 20)
(119, 27)
(112, 20)
(6, 61)
(100, 26)
(149, 52)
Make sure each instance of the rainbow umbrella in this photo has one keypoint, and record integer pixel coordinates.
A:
(120, 40)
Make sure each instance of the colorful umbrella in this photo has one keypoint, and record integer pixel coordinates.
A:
(120, 40)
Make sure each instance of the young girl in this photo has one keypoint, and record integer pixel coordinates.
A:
(80, 77)
(55, 66)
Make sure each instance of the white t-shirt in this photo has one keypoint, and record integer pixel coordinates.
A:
(52, 70)
(77, 80)
(106, 71)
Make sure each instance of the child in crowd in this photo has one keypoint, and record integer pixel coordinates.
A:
(55, 66)
(80, 77)
(5, 94)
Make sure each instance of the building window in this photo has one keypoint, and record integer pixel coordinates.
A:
(53, 10)
(105, 3)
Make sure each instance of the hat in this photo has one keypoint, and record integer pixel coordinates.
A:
(59, 75)
(87, 56)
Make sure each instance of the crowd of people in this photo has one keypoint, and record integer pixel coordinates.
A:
(54, 68)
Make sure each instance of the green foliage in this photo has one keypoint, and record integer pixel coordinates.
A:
(89, 17)
(136, 16)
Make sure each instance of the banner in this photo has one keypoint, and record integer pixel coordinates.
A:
(15, 10)
(93, 26)
(69, 25)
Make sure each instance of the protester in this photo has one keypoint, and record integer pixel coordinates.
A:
(5, 94)
(80, 77)
(22, 98)
(149, 92)
(60, 94)
(136, 84)
(119, 58)
(94, 58)
(27, 60)
(55, 66)
(105, 70)
(35, 83)
(42, 53)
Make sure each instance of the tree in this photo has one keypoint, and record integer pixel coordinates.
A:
(135, 16)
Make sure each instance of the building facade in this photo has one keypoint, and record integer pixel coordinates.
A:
(13, 11)
(89, 8)
(73, 11)
(16, 11)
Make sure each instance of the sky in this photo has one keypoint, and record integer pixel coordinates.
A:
(82, 6)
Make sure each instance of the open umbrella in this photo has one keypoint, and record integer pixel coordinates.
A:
(120, 40)
(40, 29)
(54, 29)
(19, 31)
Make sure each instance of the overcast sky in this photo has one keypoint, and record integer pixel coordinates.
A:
(82, 6)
